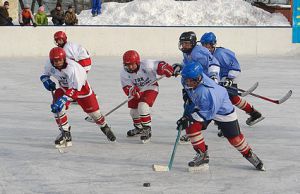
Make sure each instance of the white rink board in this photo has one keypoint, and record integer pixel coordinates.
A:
(149, 41)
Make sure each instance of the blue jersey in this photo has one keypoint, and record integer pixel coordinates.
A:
(210, 98)
(202, 55)
(229, 66)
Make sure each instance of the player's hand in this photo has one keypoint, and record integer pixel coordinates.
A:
(48, 83)
(59, 104)
(134, 91)
(215, 78)
(164, 68)
(182, 123)
(228, 82)
(177, 69)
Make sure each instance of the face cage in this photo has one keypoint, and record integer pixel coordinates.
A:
(127, 69)
(197, 80)
(55, 42)
(185, 50)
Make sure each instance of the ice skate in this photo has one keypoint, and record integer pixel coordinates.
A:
(134, 132)
(253, 159)
(146, 134)
(254, 118)
(200, 162)
(108, 132)
(184, 139)
(64, 139)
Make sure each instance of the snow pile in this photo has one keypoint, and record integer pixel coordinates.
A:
(183, 13)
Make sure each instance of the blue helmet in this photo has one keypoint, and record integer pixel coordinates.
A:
(208, 38)
(192, 70)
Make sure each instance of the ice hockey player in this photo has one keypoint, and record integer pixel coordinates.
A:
(73, 85)
(73, 51)
(197, 53)
(210, 101)
(229, 71)
(136, 75)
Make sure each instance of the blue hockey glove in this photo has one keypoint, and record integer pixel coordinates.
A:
(59, 104)
(48, 83)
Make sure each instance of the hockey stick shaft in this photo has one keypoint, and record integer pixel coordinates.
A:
(130, 98)
(276, 101)
(175, 147)
(58, 119)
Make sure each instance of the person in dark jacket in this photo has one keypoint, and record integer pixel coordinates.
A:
(70, 17)
(5, 20)
(58, 15)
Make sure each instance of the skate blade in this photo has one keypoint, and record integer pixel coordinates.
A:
(145, 141)
(200, 168)
(256, 121)
(160, 168)
(64, 145)
(262, 169)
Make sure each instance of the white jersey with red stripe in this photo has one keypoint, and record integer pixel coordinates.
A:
(147, 73)
(79, 54)
(73, 76)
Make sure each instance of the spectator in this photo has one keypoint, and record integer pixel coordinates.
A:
(41, 17)
(96, 7)
(26, 17)
(5, 20)
(58, 16)
(70, 17)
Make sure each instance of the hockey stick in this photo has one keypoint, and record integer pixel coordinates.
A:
(276, 101)
(60, 127)
(250, 90)
(244, 92)
(161, 168)
(89, 119)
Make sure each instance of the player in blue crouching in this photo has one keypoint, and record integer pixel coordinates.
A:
(210, 101)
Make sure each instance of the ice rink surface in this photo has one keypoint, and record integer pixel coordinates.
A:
(29, 163)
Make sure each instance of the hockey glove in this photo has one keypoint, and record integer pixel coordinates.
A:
(227, 83)
(48, 83)
(183, 122)
(134, 91)
(215, 78)
(164, 68)
(59, 104)
(177, 69)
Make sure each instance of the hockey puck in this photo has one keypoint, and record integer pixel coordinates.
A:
(146, 184)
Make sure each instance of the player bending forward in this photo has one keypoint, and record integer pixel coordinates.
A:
(73, 51)
(209, 101)
(135, 79)
(73, 83)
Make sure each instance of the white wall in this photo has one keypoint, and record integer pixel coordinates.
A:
(149, 41)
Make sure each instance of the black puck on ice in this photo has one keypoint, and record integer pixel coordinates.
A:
(146, 184)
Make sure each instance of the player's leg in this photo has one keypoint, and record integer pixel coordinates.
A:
(91, 107)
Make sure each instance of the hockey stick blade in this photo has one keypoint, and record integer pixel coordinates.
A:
(250, 90)
(285, 97)
(160, 168)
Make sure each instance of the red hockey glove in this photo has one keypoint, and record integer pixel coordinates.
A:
(164, 68)
(134, 91)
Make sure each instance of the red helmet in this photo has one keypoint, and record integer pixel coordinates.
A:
(57, 53)
(131, 56)
(60, 35)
